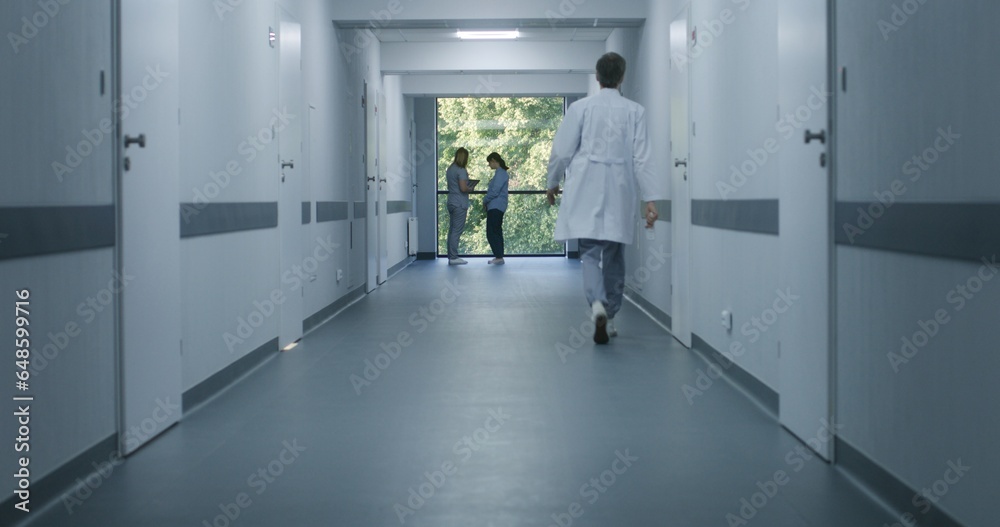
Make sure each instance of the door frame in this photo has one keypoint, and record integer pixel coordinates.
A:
(681, 320)
(290, 232)
(793, 418)
(371, 189)
(133, 408)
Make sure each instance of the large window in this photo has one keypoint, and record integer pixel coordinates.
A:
(520, 129)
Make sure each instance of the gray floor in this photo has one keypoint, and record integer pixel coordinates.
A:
(491, 351)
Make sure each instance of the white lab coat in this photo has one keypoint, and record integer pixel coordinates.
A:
(601, 148)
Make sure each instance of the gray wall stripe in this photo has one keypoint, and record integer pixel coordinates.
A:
(34, 231)
(664, 208)
(751, 215)
(331, 211)
(306, 212)
(360, 209)
(966, 231)
(200, 219)
(394, 207)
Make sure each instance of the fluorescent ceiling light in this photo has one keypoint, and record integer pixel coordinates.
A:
(488, 35)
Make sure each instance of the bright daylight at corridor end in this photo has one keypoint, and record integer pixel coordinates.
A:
(523, 263)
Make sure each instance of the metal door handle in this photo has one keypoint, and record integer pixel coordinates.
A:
(141, 141)
(821, 136)
(382, 180)
(680, 162)
(370, 179)
(288, 164)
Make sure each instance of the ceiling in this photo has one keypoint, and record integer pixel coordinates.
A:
(536, 30)
(447, 35)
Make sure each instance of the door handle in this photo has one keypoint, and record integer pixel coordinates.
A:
(680, 162)
(382, 180)
(140, 140)
(821, 136)
(370, 178)
(287, 164)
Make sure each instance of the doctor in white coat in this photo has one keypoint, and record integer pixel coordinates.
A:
(602, 151)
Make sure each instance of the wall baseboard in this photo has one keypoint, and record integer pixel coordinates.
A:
(225, 377)
(62, 480)
(426, 256)
(656, 313)
(399, 267)
(317, 318)
(889, 489)
(759, 392)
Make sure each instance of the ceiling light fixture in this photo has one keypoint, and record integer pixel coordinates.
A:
(488, 35)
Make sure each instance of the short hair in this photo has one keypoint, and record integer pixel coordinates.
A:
(610, 70)
(464, 155)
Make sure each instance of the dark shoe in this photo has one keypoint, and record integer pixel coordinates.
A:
(600, 323)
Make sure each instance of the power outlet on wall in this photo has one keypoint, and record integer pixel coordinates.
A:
(727, 320)
(340, 275)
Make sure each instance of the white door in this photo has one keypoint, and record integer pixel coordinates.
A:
(680, 188)
(371, 188)
(383, 191)
(148, 221)
(805, 224)
(290, 170)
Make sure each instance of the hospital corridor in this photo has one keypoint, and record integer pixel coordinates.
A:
(545, 263)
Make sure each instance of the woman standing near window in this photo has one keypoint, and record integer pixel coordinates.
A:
(496, 204)
(458, 203)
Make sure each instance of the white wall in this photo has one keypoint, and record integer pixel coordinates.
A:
(51, 95)
(904, 84)
(734, 91)
(490, 56)
(497, 85)
(425, 115)
(229, 91)
(400, 176)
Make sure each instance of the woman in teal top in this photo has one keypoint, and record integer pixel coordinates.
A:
(495, 202)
